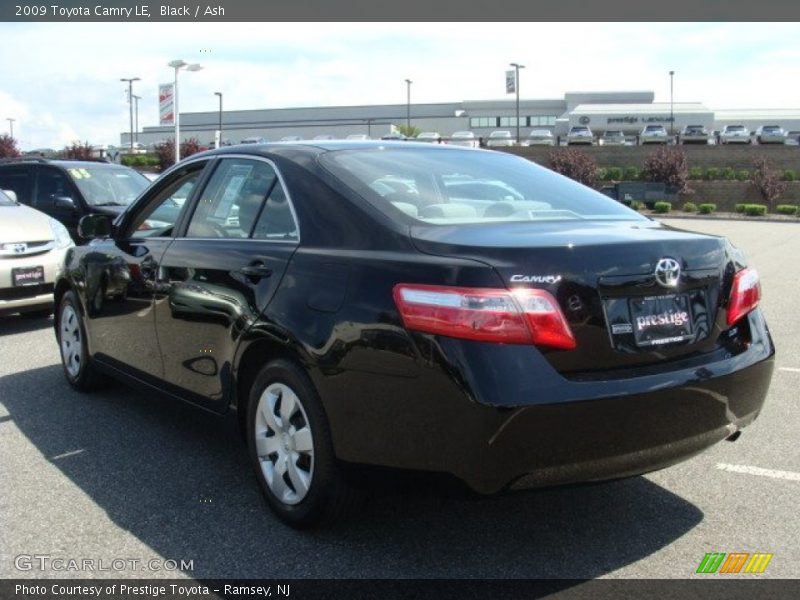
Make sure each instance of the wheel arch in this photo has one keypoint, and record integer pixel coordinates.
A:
(251, 358)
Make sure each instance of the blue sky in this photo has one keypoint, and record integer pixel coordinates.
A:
(60, 81)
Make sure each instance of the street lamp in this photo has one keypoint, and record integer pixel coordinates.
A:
(11, 125)
(517, 67)
(408, 106)
(671, 105)
(179, 64)
(130, 102)
(219, 144)
(136, 118)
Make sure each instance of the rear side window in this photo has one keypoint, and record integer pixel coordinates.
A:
(243, 198)
(450, 186)
(19, 180)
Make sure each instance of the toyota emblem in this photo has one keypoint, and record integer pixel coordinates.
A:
(667, 272)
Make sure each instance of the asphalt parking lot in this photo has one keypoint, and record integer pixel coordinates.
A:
(122, 475)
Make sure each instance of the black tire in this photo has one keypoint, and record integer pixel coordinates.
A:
(329, 497)
(86, 378)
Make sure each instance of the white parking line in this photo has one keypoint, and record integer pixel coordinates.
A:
(790, 369)
(787, 475)
(66, 454)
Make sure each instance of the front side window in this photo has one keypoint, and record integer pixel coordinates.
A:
(461, 187)
(51, 185)
(160, 215)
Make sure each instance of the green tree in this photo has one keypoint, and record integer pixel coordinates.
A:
(408, 130)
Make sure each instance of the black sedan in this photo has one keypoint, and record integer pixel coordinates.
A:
(355, 308)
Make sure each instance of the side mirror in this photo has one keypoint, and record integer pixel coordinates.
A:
(95, 226)
(64, 202)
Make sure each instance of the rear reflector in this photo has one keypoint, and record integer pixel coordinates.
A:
(745, 294)
(521, 316)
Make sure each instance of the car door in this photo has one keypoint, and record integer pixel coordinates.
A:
(216, 278)
(120, 276)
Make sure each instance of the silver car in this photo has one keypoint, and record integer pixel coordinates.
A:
(32, 249)
(580, 134)
(735, 134)
(770, 134)
(540, 137)
(612, 138)
(500, 139)
(694, 134)
(653, 134)
(358, 136)
(464, 138)
(430, 137)
(792, 138)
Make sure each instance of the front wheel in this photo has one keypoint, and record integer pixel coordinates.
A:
(289, 443)
(78, 368)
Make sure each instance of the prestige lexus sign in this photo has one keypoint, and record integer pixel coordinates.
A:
(631, 119)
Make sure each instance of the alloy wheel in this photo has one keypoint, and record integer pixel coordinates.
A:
(284, 443)
(71, 342)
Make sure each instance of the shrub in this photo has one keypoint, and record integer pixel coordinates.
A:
(696, 173)
(789, 175)
(78, 151)
(728, 174)
(712, 173)
(668, 165)
(631, 174)
(767, 181)
(8, 146)
(662, 207)
(743, 175)
(165, 151)
(739, 208)
(689, 207)
(576, 165)
(755, 210)
(636, 205)
(707, 208)
(602, 174)
(614, 174)
(786, 209)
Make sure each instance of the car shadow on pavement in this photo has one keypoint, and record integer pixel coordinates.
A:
(23, 323)
(179, 480)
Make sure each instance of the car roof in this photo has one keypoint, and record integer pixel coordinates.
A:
(58, 162)
(316, 147)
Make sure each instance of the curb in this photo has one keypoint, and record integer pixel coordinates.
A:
(732, 217)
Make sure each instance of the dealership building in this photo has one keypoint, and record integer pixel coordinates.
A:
(601, 111)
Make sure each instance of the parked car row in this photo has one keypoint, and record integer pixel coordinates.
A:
(690, 134)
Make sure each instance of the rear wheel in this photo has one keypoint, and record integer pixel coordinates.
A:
(78, 368)
(290, 446)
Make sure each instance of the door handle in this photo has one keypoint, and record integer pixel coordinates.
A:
(256, 271)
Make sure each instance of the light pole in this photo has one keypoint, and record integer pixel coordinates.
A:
(517, 67)
(219, 144)
(130, 102)
(11, 126)
(408, 106)
(671, 106)
(136, 117)
(178, 64)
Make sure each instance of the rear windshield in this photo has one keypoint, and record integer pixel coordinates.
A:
(734, 128)
(447, 186)
(654, 128)
(772, 128)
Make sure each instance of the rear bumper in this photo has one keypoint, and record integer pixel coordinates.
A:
(496, 417)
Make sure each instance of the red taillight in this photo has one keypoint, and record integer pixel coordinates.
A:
(745, 294)
(521, 316)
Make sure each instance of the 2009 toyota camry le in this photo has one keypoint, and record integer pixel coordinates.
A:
(430, 308)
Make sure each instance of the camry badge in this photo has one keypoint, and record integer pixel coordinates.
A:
(667, 272)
